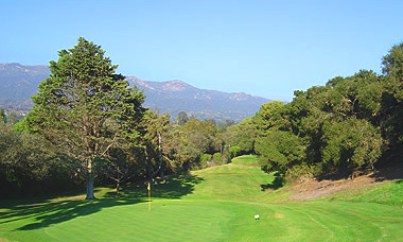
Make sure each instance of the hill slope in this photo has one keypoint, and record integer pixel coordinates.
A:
(176, 96)
(19, 82)
(215, 204)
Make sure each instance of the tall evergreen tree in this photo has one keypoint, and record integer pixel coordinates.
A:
(85, 108)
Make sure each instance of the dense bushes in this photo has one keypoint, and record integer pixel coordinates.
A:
(27, 167)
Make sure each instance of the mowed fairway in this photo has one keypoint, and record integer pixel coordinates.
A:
(214, 204)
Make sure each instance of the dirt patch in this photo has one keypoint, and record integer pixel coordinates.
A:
(279, 215)
(312, 188)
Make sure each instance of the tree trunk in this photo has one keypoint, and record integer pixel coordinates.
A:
(118, 188)
(90, 186)
(90, 182)
(149, 170)
(162, 174)
(162, 165)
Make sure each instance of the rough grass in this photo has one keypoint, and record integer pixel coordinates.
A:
(215, 204)
(390, 194)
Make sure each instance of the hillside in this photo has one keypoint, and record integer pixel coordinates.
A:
(214, 204)
(176, 96)
(19, 82)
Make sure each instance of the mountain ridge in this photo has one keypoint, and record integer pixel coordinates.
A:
(20, 82)
(176, 96)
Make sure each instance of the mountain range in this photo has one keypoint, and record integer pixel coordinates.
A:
(19, 82)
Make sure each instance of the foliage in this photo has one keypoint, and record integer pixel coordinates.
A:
(217, 157)
(235, 151)
(17, 160)
(205, 158)
(279, 150)
(350, 145)
(269, 116)
(28, 167)
(153, 142)
(84, 108)
(3, 118)
(301, 172)
(392, 98)
(187, 143)
(182, 118)
(242, 135)
(344, 126)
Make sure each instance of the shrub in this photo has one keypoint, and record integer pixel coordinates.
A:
(217, 157)
(235, 151)
(301, 172)
(205, 158)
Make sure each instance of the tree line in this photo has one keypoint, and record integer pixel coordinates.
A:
(351, 124)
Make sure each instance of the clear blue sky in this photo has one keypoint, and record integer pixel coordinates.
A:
(265, 48)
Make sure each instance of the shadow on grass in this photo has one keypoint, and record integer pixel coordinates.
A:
(57, 213)
(173, 187)
(275, 184)
(391, 169)
(47, 213)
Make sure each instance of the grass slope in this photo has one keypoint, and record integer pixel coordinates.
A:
(215, 204)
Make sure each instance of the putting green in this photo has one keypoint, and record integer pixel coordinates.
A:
(214, 204)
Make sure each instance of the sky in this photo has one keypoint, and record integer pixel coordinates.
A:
(260, 47)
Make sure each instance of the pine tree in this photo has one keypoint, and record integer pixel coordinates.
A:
(85, 108)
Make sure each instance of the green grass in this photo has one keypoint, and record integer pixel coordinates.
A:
(390, 193)
(214, 204)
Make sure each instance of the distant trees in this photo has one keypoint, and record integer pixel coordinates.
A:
(188, 142)
(182, 118)
(2, 116)
(241, 138)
